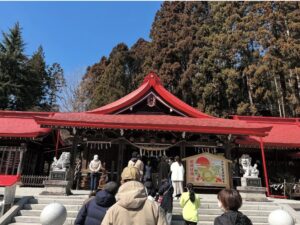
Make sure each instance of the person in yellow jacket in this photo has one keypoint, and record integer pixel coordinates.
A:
(190, 203)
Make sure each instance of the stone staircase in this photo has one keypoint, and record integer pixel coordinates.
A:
(258, 212)
(30, 214)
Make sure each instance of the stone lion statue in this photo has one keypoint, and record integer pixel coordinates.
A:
(61, 164)
(248, 170)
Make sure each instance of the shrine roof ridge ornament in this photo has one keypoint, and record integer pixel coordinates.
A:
(153, 78)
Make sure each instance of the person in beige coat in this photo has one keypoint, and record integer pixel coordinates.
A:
(132, 206)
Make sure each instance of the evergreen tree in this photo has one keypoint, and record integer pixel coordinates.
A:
(12, 68)
(116, 79)
(221, 57)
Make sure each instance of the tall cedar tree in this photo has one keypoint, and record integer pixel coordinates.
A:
(221, 57)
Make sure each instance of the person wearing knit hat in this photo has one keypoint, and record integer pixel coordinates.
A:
(129, 174)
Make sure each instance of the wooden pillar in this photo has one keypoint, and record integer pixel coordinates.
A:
(182, 149)
(120, 159)
(72, 157)
(84, 157)
(228, 155)
(2, 159)
(7, 162)
(22, 150)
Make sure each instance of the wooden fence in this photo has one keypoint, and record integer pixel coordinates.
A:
(33, 180)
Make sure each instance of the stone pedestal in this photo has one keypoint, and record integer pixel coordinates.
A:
(250, 182)
(249, 193)
(57, 187)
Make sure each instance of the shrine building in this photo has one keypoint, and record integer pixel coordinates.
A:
(152, 121)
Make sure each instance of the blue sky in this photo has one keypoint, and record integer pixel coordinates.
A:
(78, 34)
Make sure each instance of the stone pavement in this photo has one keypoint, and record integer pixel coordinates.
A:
(257, 211)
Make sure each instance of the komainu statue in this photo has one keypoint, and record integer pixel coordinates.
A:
(61, 164)
(247, 169)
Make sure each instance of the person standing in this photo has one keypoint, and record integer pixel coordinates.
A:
(177, 176)
(163, 170)
(93, 211)
(165, 194)
(190, 203)
(95, 166)
(148, 171)
(132, 206)
(136, 162)
(103, 177)
(230, 200)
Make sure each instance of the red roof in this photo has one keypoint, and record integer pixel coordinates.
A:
(21, 124)
(9, 180)
(285, 131)
(154, 122)
(151, 81)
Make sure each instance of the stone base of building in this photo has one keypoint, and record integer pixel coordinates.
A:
(257, 194)
(57, 187)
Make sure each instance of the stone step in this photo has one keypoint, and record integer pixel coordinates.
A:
(62, 201)
(219, 212)
(62, 196)
(24, 223)
(254, 219)
(244, 207)
(176, 201)
(36, 219)
(207, 223)
(71, 214)
(42, 206)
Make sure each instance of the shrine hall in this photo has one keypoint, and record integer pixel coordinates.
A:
(153, 122)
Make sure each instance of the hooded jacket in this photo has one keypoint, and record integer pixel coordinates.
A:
(232, 218)
(93, 212)
(133, 208)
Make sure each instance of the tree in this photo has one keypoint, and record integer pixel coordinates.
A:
(55, 84)
(12, 67)
(27, 83)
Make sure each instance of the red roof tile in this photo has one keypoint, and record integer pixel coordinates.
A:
(21, 124)
(154, 122)
(285, 131)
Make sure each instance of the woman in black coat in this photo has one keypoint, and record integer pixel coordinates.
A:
(230, 200)
(93, 212)
(166, 193)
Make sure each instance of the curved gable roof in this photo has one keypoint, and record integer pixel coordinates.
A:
(151, 81)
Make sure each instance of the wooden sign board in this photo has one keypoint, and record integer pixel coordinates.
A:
(207, 170)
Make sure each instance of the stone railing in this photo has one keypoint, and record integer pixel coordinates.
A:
(33, 180)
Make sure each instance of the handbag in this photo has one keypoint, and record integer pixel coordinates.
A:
(161, 197)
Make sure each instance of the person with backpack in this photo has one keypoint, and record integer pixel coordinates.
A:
(93, 211)
(230, 200)
(166, 200)
(190, 203)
